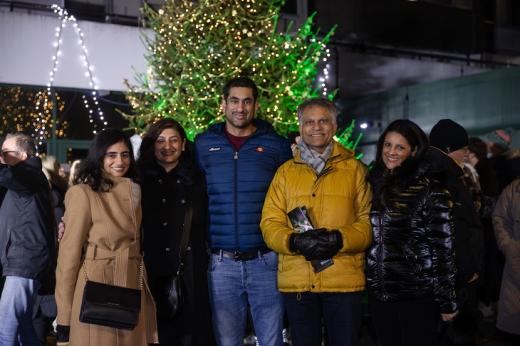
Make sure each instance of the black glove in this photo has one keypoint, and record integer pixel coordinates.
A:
(303, 243)
(63, 333)
(329, 243)
(317, 244)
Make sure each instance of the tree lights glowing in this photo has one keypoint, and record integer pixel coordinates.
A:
(91, 104)
(198, 46)
(18, 114)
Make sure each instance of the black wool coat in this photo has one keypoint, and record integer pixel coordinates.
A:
(165, 196)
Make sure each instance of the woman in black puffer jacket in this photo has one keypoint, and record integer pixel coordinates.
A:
(410, 266)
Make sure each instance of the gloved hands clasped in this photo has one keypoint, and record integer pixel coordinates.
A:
(316, 244)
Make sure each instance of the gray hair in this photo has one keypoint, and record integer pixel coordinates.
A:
(318, 102)
(24, 143)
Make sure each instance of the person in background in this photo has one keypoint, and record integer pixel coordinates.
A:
(493, 258)
(330, 183)
(507, 230)
(238, 159)
(44, 311)
(449, 149)
(58, 184)
(27, 239)
(411, 265)
(73, 171)
(171, 182)
(103, 243)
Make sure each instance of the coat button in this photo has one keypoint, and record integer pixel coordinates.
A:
(178, 181)
(159, 181)
(183, 201)
(188, 248)
(165, 224)
(167, 249)
(164, 200)
(313, 195)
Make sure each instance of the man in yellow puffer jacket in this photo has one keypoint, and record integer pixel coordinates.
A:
(330, 183)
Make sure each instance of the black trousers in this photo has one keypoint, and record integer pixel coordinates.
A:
(341, 313)
(405, 323)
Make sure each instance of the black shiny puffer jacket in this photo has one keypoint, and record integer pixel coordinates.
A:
(412, 254)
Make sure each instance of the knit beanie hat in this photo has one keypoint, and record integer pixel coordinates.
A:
(448, 136)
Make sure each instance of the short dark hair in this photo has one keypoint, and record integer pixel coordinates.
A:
(318, 102)
(90, 170)
(240, 82)
(146, 151)
(413, 134)
(478, 147)
(24, 143)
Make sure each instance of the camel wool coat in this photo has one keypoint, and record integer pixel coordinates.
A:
(102, 238)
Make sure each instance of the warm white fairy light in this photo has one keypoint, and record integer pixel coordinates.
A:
(40, 131)
(325, 73)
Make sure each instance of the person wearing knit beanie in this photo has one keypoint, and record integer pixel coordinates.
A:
(451, 138)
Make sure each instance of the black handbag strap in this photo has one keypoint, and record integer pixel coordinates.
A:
(186, 231)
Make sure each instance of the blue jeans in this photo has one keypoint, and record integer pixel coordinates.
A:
(235, 284)
(341, 313)
(16, 311)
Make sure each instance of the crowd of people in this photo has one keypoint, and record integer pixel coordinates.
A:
(207, 233)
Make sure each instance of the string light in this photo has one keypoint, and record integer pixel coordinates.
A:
(91, 103)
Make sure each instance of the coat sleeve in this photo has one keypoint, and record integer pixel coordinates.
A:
(78, 222)
(274, 224)
(503, 221)
(22, 178)
(440, 238)
(357, 236)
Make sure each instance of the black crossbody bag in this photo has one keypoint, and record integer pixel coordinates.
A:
(111, 306)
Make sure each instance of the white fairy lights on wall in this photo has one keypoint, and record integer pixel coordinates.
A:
(91, 104)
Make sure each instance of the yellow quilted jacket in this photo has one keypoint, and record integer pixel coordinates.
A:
(337, 199)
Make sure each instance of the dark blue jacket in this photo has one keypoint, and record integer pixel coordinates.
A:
(237, 182)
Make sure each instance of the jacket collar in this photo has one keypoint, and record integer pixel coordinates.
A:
(182, 171)
(440, 163)
(339, 153)
(262, 127)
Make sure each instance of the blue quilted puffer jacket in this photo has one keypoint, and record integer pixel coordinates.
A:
(237, 182)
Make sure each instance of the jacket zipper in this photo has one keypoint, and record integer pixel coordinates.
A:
(380, 258)
(235, 200)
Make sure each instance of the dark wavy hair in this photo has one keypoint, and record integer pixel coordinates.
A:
(146, 151)
(90, 170)
(382, 181)
(413, 134)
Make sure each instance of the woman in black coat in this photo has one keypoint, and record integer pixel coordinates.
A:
(171, 183)
(410, 266)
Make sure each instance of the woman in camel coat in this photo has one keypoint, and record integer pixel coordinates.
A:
(102, 242)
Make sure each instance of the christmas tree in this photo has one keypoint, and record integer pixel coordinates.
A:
(198, 46)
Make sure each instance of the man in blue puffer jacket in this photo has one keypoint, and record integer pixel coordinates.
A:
(239, 159)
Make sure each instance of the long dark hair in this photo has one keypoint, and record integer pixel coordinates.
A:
(382, 180)
(413, 134)
(90, 170)
(146, 151)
